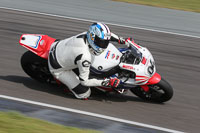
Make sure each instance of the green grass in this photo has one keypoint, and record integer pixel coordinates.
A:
(186, 5)
(12, 122)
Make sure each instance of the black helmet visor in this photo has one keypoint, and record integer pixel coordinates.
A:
(100, 42)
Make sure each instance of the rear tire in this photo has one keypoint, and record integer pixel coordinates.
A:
(36, 67)
(160, 92)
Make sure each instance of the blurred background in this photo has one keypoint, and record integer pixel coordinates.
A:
(168, 28)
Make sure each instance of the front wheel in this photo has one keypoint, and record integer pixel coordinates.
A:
(160, 92)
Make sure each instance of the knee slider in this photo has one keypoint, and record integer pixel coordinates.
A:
(81, 91)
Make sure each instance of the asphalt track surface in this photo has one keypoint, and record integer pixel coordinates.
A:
(177, 59)
(109, 11)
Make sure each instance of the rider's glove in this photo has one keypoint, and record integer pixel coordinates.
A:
(112, 82)
(123, 41)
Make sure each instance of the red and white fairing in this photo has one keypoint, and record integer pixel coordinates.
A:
(107, 60)
(145, 70)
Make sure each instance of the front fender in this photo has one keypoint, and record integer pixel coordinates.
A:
(154, 79)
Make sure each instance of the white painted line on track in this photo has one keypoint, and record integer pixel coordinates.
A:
(89, 114)
(87, 20)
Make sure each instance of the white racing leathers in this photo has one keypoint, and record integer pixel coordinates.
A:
(67, 55)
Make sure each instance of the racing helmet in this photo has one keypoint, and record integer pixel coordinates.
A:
(98, 37)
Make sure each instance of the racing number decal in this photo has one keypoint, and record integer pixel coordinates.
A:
(151, 67)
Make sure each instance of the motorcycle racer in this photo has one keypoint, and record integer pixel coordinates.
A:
(75, 52)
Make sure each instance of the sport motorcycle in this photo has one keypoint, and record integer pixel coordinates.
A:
(134, 66)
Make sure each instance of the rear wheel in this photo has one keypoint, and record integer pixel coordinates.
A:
(36, 67)
(160, 92)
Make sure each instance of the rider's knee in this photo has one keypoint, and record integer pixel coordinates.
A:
(81, 92)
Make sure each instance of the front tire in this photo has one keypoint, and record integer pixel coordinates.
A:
(36, 67)
(160, 92)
